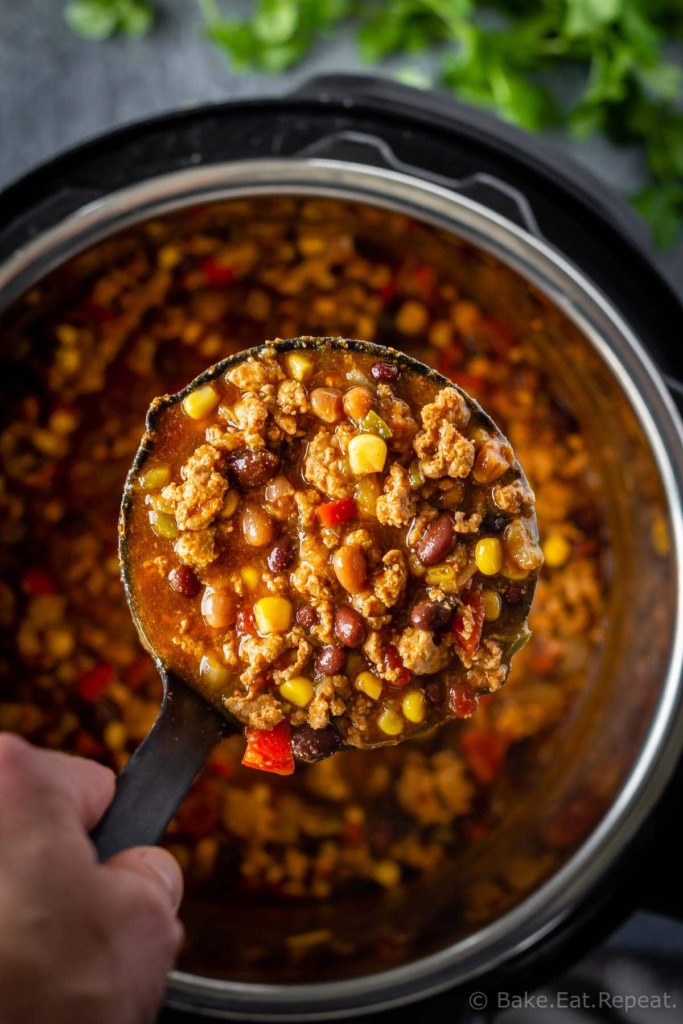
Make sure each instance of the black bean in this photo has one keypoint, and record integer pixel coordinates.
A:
(385, 372)
(253, 467)
(436, 541)
(311, 745)
(281, 555)
(515, 595)
(492, 523)
(430, 615)
(183, 581)
(307, 616)
(349, 627)
(330, 660)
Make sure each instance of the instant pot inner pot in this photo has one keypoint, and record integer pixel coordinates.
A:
(366, 861)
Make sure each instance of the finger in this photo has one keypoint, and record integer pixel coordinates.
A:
(158, 866)
(40, 779)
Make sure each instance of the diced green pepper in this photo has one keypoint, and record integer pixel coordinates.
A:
(374, 424)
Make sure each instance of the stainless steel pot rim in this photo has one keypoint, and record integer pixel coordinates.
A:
(639, 379)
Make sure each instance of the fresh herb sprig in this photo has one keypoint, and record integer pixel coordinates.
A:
(502, 54)
(100, 19)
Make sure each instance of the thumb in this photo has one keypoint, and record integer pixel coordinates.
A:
(155, 864)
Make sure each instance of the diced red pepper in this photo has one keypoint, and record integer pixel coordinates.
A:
(269, 750)
(392, 660)
(246, 622)
(88, 746)
(484, 752)
(462, 703)
(388, 290)
(36, 582)
(141, 671)
(217, 273)
(468, 382)
(425, 279)
(201, 812)
(470, 641)
(332, 513)
(498, 334)
(93, 683)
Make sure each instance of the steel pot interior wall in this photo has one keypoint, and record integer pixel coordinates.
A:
(608, 762)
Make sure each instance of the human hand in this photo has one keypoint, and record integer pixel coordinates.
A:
(79, 941)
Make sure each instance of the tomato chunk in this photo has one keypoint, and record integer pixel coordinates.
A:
(332, 513)
(269, 750)
(484, 752)
(95, 682)
(468, 634)
(217, 273)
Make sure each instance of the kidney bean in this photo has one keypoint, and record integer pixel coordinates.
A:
(385, 372)
(350, 568)
(311, 745)
(436, 541)
(430, 615)
(281, 555)
(307, 616)
(349, 627)
(253, 467)
(246, 623)
(330, 660)
(183, 581)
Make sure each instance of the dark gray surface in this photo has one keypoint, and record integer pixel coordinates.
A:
(56, 89)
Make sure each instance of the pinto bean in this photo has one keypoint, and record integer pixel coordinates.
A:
(253, 467)
(258, 528)
(349, 627)
(350, 568)
(436, 541)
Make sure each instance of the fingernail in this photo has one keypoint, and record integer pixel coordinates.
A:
(166, 866)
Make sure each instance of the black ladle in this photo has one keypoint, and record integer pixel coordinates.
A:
(161, 771)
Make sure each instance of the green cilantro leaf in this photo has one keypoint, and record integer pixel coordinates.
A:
(100, 19)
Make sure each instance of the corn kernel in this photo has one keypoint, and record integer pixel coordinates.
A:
(213, 673)
(414, 707)
(412, 317)
(298, 690)
(660, 537)
(232, 500)
(367, 454)
(557, 550)
(169, 256)
(390, 722)
(387, 873)
(298, 366)
(155, 478)
(443, 576)
(369, 684)
(492, 605)
(415, 566)
(488, 555)
(440, 334)
(250, 577)
(512, 571)
(199, 403)
(115, 735)
(164, 525)
(273, 614)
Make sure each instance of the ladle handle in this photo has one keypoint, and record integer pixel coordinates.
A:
(160, 772)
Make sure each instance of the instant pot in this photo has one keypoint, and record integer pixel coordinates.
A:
(583, 250)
